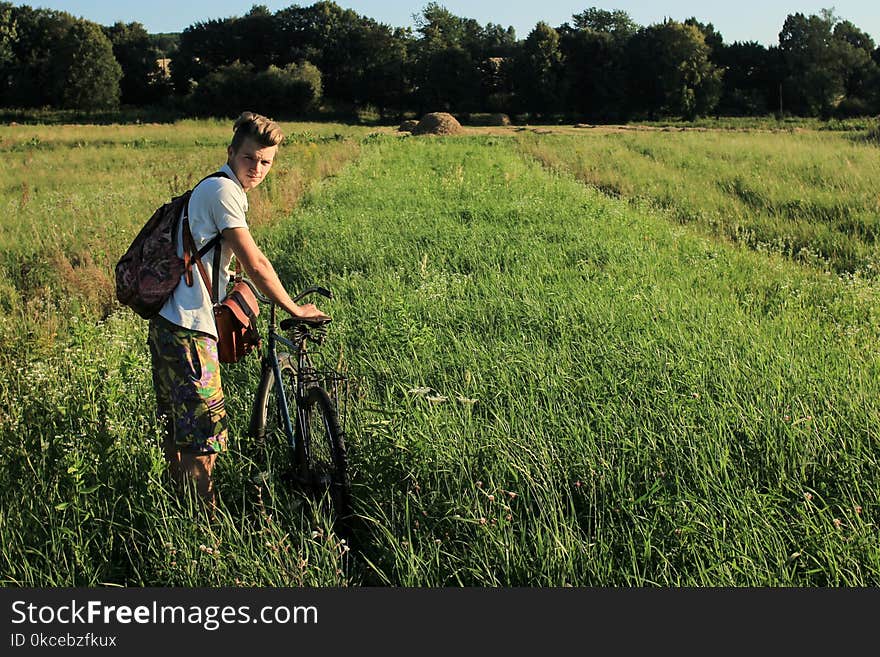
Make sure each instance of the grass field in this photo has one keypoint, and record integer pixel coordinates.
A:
(811, 196)
(554, 386)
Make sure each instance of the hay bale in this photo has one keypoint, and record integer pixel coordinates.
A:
(438, 123)
(499, 118)
(408, 125)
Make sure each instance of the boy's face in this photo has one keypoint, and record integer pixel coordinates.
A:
(251, 162)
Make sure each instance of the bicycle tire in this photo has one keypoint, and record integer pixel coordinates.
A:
(321, 453)
(274, 457)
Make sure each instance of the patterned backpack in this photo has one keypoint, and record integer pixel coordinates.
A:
(150, 269)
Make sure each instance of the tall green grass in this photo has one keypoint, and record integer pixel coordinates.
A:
(551, 388)
(810, 195)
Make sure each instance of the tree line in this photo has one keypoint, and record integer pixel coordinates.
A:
(601, 66)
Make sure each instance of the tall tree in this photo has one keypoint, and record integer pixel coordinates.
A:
(255, 38)
(814, 83)
(670, 72)
(8, 33)
(595, 72)
(136, 54)
(203, 47)
(358, 57)
(711, 36)
(538, 72)
(8, 36)
(861, 73)
(445, 60)
(751, 81)
(87, 74)
(617, 23)
(39, 34)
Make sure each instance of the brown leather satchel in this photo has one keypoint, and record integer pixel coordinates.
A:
(236, 315)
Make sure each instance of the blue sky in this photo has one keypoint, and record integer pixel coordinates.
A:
(742, 20)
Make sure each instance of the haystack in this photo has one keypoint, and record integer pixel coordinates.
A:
(438, 123)
(408, 125)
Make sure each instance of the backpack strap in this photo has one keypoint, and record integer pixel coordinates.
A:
(190, 252)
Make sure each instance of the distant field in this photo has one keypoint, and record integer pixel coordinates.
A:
(75, 196)
(810, 195)
(554, 385)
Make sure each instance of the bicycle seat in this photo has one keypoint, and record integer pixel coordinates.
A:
(293, 322)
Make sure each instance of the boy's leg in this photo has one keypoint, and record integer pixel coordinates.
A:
(186, 375)
(199, 468)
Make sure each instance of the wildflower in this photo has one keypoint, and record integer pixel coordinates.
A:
(808, 497)
(838, 523)
(479, 484)
(483, 521)
(577, 484)
(511, 494)
(509, 517)
(491, 498)
(858, 509)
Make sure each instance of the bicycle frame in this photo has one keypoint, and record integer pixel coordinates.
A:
(272, 356)
(303, 363)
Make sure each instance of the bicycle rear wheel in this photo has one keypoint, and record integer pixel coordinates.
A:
(320, 453)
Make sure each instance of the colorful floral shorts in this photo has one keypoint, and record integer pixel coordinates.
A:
(189, 397)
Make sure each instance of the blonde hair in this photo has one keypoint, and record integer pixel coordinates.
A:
(262, 130)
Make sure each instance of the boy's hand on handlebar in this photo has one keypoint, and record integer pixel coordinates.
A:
(309, 311)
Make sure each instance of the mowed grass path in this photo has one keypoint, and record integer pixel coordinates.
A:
(809, 194)
(552, 389)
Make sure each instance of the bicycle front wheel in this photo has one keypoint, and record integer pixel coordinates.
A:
(320, 452)
(274, 457)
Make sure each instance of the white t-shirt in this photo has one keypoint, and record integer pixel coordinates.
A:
(216, 204)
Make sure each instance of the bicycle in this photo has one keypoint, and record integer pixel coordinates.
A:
(308, 446)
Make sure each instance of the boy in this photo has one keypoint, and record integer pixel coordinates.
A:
(183, 338)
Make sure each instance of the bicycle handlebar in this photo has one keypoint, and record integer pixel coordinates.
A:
(314, 289)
